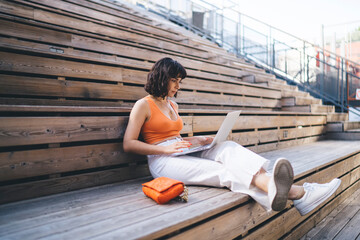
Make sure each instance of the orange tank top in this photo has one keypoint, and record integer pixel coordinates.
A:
(159, 127)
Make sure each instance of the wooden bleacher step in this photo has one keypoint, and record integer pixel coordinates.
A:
(313, 108)
(119, 210)
(337, 117)
(293, 93)
(299, 101)
(343, 130)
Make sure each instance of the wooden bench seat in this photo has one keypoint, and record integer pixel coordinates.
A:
(121, 210)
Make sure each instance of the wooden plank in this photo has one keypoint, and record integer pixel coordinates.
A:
(82, 225)
(191, 107)
(123, 203)
(49, 108)
(285, 144)
(36, 207)
(311, 221)
(203, 123)
(16, 192)
(291, 93)
(351, 230)
(239, 220)
(236, 88)
(34, 105)
(30, 163)
(123, 11)
(75, 21)
(217, 99)
(18, 30)
(264, 136)
(163, 223)
(20, 85)
(86, 9)
(17, 131)
(298, 100)
(329, 152)
(92, 105)
(15, 9)
(12, 62)
(337, 117)
(337, 225)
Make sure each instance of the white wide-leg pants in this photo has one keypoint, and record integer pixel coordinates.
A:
(226, 165)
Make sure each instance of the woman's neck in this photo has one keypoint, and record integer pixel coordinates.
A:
(159, 99)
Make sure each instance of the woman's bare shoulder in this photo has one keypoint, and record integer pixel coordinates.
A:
(141, 103)
(141, 107)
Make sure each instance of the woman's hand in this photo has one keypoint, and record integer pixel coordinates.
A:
(207, 140)
(199, 140)
(176, 147)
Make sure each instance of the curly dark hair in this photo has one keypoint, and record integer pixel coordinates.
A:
(160, 74)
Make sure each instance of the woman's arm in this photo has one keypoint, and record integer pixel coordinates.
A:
(139, 114)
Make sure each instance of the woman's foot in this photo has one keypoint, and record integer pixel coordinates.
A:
(280, 184)
(315, 194)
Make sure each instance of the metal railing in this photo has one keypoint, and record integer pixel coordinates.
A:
(325, 75)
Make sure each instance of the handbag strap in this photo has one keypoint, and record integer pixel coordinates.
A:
(184, 196)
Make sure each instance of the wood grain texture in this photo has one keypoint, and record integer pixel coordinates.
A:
(23, 164)
(43, 130)
(21, 191)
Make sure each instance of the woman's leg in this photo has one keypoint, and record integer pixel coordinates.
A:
(244, 165)
(251, 168)
(192, 171)
(261, 180)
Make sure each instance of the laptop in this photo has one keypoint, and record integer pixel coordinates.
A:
(221, 135)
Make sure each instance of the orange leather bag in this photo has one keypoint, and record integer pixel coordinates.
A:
(163, 189)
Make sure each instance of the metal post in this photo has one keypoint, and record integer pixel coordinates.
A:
(341, 88)
(222, 30)
(239, 34)
(307, 72)
(304, 66)
(273, 54)
(286, 62)
(237, 39)
(347, 90)
(243, 39)
(268, 49)
(322, 62)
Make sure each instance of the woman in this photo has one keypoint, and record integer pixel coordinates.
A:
(228, 164)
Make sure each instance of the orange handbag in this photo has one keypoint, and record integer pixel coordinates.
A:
(163, 189)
